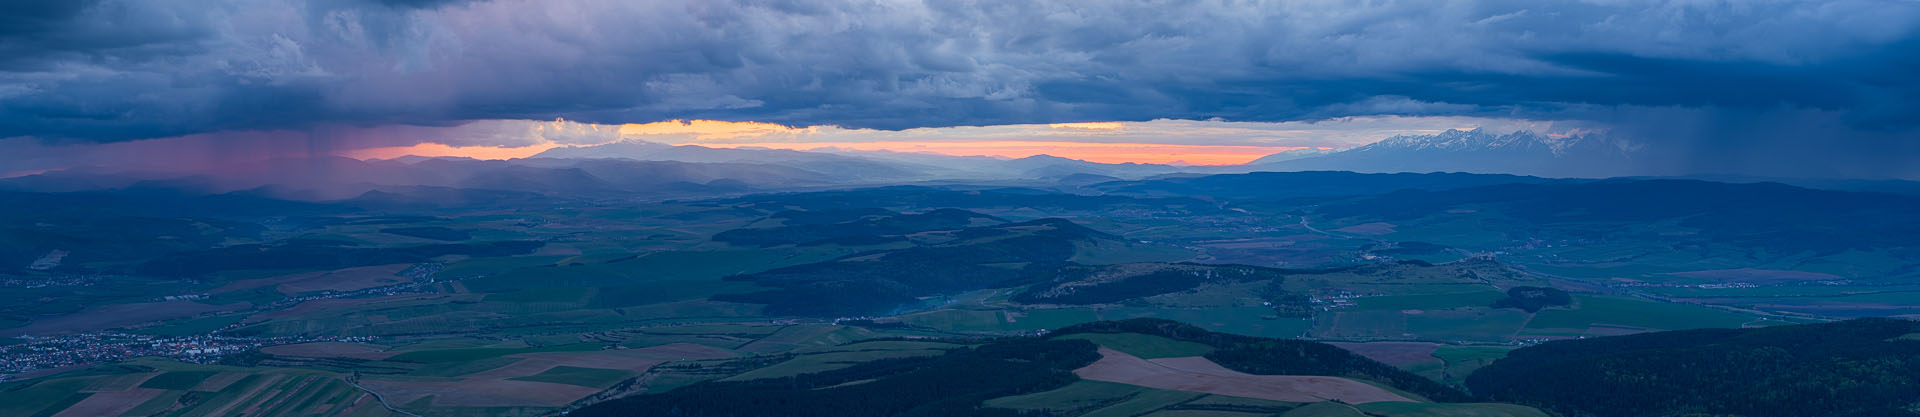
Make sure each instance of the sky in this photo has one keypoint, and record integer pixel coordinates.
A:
(1161, 141)
(1739, 86)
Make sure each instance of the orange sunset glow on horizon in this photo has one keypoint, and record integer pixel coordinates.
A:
(1010, 141)
(1109, 153)
(708, 129)
(442, 150)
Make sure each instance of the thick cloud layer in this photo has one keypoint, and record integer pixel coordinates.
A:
(109, 70)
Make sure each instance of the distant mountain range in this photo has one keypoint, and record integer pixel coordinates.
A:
(1293, 155)
(851, 168)
(656, 170)
(339, 178)
(619, 170)
(1472, 151)
(866, 165)
(1475, 151)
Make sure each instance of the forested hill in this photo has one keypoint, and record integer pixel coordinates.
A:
(1265, 356)
(1867, 367)
(958, 382)
(949, 385)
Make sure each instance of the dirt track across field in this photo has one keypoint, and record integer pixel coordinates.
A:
(1197, 374)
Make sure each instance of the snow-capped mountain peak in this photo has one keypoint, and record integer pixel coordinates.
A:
(1478, 150)
(1479, 140)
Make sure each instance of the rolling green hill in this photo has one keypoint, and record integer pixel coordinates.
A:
(1854, 368)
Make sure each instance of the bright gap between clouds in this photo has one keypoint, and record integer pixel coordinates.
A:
(1196, 142)
(1110, 153)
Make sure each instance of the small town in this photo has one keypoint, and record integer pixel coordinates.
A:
(48, 352)
(66, 280)
(421, 275)
(1329, 299)
(1713, 286)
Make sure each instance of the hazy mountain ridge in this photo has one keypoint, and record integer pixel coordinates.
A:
(336, 178)
(1478, 151)
(866, 165)
(655, 170)
(1284, 185)
(1293, 155)
(853, 167)
(1765, 217)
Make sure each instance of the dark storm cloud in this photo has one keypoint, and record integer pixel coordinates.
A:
(117, 70)
(36, 16)
(417, 4)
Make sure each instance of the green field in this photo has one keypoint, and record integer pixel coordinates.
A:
(542, 295)
(1325, 410)
(1593, 310)
(1429, 301)
(960, 320)
(804, 336)
(43, 399)
(177, 380)
(586, 377)
(1113, 254)
(1075, 396)
(1400, 409)
(189, 327)
(1164, 403)
(1250, 321)
(1482, 325)
(1000, 320)
(665, 291)
(267, 391)
(1464, 354)
(457, 368)
(818, 362)
(1097, 399)
(1461, 361)
(823, 358)
(704, 265)
(474, 354)
(1361, 325)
